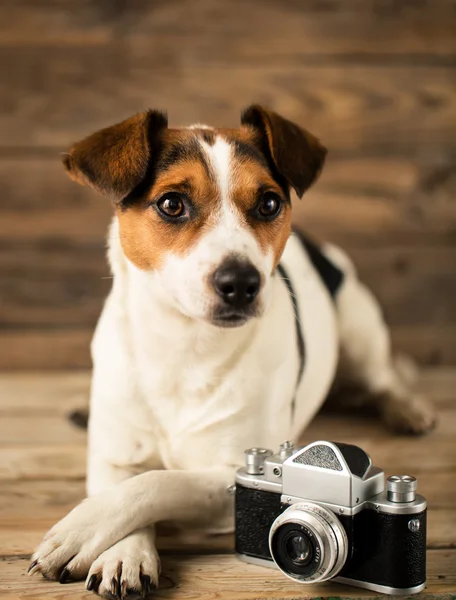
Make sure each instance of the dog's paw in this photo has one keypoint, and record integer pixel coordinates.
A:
(129, 569)
(415, 415)
(70, 547)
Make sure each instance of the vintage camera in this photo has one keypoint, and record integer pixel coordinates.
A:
(322, 512)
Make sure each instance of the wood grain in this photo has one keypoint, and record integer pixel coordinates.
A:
(427, 345)
(52, 284)
(51, 22)
(382, 201)
(413, 285)
(396, 111)
(47, 430)
(34, 462)
(224, 577)
(240, 31)
(48, 394)
(440, 384)
(288, 32)
(45, 349)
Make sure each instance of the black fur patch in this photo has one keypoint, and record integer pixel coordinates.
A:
(208, 135)
(80, 418)
(331, 275)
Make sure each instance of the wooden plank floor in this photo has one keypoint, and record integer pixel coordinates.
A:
(42, 464)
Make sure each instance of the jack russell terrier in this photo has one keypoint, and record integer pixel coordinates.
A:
(223, 330)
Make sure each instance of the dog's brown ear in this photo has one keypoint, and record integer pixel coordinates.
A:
(114, 160)
(296, 153)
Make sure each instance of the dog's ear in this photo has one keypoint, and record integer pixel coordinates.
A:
(114, 160)
(296, 153)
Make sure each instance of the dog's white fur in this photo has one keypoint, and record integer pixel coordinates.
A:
(176, 400)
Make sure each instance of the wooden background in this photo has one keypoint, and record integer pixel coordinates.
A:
(375, 79)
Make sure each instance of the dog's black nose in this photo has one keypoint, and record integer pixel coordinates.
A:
(237, 283)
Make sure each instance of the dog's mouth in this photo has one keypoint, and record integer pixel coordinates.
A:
(231, 318)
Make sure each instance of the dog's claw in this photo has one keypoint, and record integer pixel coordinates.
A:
(115, 588)
(33, 567)
(64, 576)
(92, 583)
(146, 585)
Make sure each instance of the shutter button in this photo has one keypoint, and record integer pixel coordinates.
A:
(401, 488)
(254, 460)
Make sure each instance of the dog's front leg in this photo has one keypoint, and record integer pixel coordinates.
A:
(131, 567)
(99, 522)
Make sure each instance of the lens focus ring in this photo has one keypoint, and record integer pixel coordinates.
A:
(327, 533)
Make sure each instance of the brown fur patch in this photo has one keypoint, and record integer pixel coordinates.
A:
(298, 155)
(249, 177)
(114, 160)
(147, 238)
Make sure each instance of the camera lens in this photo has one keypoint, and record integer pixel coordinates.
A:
(299, 549)
(296, 550)
(308, 543)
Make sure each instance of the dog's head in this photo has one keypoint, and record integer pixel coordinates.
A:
(206, 212)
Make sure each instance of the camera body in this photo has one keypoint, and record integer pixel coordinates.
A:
(322, 512)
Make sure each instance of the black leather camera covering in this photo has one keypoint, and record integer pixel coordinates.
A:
(385, 551)
(255, 512)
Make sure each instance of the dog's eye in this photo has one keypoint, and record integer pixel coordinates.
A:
(171, 205)
(269, 205)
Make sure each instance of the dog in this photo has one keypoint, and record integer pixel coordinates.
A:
(223, 330)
